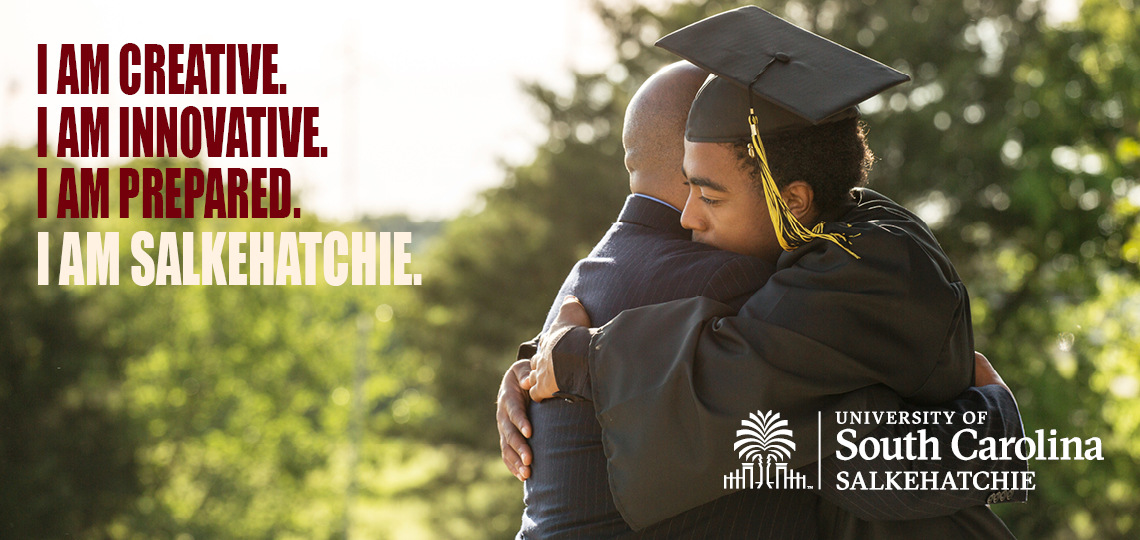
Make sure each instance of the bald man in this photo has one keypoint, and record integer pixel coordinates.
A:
(646, 257)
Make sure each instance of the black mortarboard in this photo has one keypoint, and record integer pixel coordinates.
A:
(799, 79)
(772, 76)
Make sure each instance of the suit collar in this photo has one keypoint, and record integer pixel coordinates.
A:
(653, 214)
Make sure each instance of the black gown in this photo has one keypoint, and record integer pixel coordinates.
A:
(829, 332)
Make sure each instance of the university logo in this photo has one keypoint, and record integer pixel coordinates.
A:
(764, 443)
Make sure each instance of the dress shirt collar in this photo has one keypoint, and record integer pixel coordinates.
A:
(653, 213)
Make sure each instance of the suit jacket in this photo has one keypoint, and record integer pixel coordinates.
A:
(645, 258)
(829, 332)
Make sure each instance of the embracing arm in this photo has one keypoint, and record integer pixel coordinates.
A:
(519, 385)
(511, 419)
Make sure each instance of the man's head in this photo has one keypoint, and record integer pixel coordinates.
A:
(654, 129)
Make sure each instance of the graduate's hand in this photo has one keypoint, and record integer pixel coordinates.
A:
(514, 427)
(984, 373)
(541, 382)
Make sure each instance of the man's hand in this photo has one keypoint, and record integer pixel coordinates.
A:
(541, 382)
(514, 428)
(985, 374)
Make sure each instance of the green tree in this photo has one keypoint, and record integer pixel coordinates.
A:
(67, 457)
(253, 406)
(219, 412)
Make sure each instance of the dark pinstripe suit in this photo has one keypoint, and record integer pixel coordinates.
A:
(645, 258)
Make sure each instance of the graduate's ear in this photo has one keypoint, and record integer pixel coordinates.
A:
(800, 197)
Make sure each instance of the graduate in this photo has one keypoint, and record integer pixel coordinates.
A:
(864, 309)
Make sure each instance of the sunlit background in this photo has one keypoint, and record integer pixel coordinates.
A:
(492, 131)
(394, 84)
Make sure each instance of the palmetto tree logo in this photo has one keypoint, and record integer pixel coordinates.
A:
(764, 438)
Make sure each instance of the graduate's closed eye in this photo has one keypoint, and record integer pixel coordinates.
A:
(708, 201)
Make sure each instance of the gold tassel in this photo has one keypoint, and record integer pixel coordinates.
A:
(789, 231)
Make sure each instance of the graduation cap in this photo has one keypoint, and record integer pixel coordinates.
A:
(770, 76)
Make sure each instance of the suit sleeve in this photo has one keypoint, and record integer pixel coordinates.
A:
(1003, 421)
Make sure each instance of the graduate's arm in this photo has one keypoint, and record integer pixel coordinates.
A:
(732, 284)
(565, 371)
(562, 374)
(890, 318)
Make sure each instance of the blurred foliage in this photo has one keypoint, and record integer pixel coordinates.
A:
(66, 458)
(316, 412)
(209, 412)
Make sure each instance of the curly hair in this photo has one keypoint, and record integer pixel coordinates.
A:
(832, 158)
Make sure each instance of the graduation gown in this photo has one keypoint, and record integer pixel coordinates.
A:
(829, 332)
